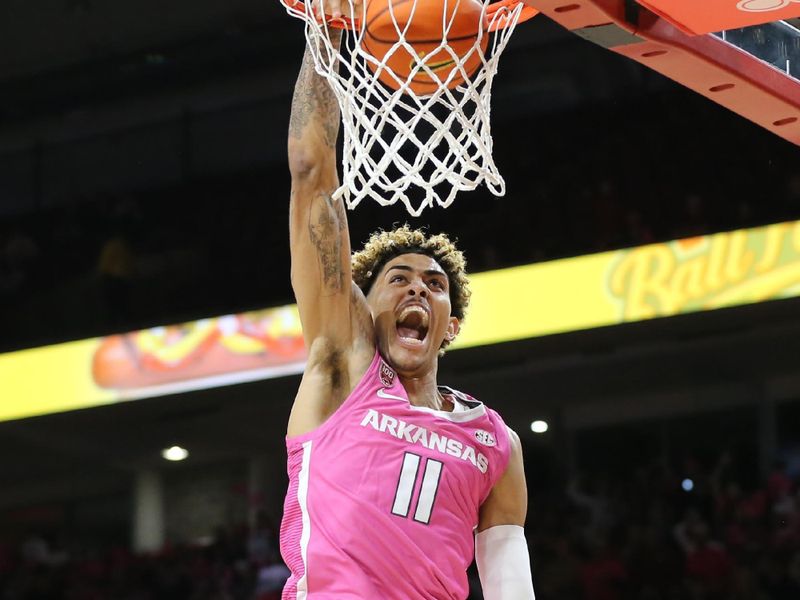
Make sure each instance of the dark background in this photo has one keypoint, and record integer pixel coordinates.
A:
(160, 129)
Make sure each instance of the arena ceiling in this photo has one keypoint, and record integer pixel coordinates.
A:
(52, 34)
(62, 59)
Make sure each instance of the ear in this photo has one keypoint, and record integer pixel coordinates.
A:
(452, 329)
(369, 298)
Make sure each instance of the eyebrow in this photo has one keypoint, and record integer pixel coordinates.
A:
(426, 272)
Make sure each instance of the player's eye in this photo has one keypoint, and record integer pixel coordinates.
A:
(397, 278)
(437, 283)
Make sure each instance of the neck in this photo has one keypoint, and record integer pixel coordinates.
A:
(423, 391)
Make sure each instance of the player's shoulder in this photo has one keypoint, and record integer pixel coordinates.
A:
(514, 440)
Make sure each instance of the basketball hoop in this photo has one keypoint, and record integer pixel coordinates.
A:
(406, 141)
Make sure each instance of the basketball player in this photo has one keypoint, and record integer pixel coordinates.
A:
(395, 482)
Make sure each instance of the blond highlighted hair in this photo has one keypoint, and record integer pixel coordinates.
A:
(383, 246)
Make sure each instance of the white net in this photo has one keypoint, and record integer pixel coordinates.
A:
(401, 144)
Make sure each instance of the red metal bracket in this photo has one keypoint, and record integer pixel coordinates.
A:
(708, 16)
(705, 63)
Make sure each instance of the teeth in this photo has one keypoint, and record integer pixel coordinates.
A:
(414, 309)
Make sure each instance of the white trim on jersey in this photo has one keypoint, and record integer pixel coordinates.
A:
(455, 416)
(463, 410)
(305, 536)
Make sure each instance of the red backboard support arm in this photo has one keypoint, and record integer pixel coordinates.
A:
(696, 17)
(705, 63)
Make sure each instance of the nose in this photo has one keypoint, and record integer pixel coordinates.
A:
(417, 288)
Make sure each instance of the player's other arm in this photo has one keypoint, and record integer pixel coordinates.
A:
(500, 547)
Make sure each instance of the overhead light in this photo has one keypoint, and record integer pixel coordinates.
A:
(175, 453)
(539, 426)
(687, 485)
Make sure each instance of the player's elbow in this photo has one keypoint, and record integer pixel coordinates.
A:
(302, 163)
(307, 163)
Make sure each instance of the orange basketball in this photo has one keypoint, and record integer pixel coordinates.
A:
(424, 34)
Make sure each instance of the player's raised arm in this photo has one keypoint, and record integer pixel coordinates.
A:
(319, 239)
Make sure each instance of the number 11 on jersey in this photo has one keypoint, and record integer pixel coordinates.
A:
(427, 491)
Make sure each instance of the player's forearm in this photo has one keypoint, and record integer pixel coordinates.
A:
(314, 122)
(504, 566)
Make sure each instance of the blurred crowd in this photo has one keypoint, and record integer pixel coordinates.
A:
(233, 566)
(649, 536)
(120, 262)
(657, 536)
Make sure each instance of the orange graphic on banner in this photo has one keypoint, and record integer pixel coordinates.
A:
(709, 16)
(200, 349)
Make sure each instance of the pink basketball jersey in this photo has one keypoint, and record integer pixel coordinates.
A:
(383, 497)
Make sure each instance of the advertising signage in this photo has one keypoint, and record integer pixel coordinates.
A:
(647, 282)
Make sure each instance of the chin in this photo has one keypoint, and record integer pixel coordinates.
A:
(408, 360)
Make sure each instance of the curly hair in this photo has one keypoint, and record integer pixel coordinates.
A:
(383, 246)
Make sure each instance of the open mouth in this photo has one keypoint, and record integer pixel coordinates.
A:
(412, 324)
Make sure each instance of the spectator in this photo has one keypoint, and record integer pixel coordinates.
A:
(116, 267)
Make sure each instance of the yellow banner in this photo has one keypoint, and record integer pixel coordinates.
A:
(657, 280)
(152, 362)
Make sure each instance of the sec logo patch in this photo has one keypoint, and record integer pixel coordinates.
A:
(485, 438)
